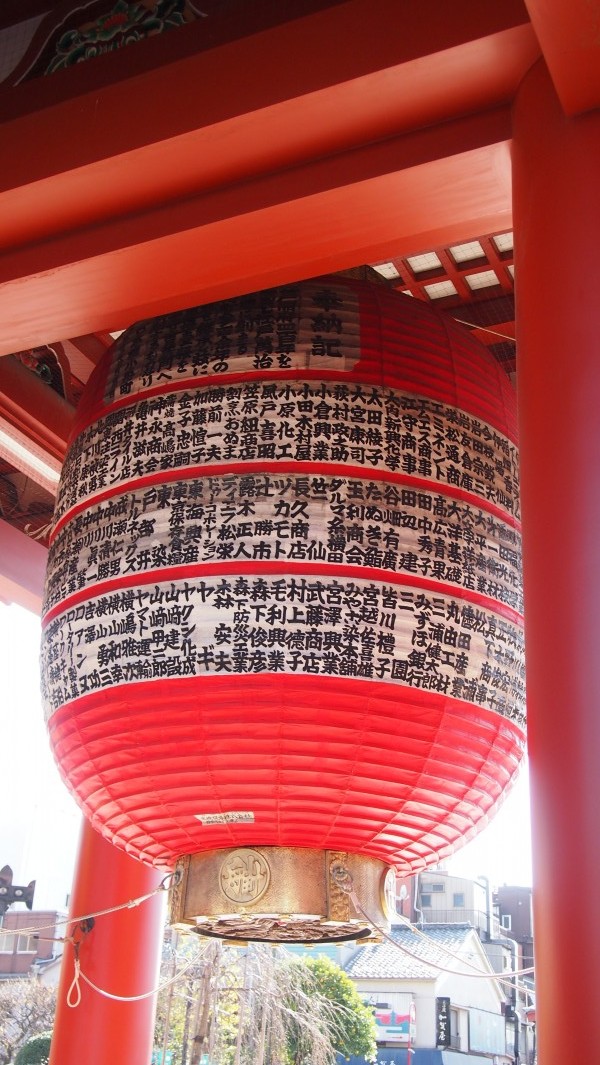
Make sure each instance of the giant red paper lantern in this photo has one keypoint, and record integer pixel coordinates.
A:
(283, 604)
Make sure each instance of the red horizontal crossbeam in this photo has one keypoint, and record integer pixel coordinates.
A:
(132, 188)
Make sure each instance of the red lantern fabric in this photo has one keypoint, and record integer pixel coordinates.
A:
(283, 602)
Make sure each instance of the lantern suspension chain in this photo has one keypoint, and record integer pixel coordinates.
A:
(344, 880)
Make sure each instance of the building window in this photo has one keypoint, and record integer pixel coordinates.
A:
(11, 941)
(458, 900)
(426, 901)
(454, 1030)
(506, 922)
(27, 944)
(437, 887)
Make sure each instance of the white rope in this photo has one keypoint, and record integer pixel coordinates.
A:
(419, 932)
(74, 987)
(40, 533)
(485, 329)
(344, 879)
(129, 905)
(79, 975)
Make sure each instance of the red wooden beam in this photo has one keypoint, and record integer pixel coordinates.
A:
(34, 409)
(569, 34)
(336, 213)
(22, 569)
(115, 207)
(557, 218)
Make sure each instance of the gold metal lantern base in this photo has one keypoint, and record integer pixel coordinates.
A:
(283, 895)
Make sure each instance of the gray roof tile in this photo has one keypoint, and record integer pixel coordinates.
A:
(383, 961)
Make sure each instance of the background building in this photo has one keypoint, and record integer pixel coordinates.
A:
(513, 906)
(33, 954)
(425, 1001)
(502, 918)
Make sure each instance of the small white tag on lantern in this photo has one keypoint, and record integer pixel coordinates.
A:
(232, 817)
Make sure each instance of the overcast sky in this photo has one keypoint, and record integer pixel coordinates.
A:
(39, 822)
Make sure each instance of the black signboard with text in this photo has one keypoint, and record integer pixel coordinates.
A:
(442, 1022)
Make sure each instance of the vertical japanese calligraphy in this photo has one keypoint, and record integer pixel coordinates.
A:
(342, 424)
(288, 531)
(317, 627)
(340, 521)
(296, 327)
(442, 1022)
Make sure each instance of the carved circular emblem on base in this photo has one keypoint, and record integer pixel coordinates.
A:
(281, 894)
(244, 876)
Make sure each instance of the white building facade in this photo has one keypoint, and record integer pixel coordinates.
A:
(436, 998)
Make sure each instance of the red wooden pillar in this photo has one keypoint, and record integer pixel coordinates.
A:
(120, 955)
(556, 169)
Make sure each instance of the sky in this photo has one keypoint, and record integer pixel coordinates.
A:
(39, 821)
(502, 850)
